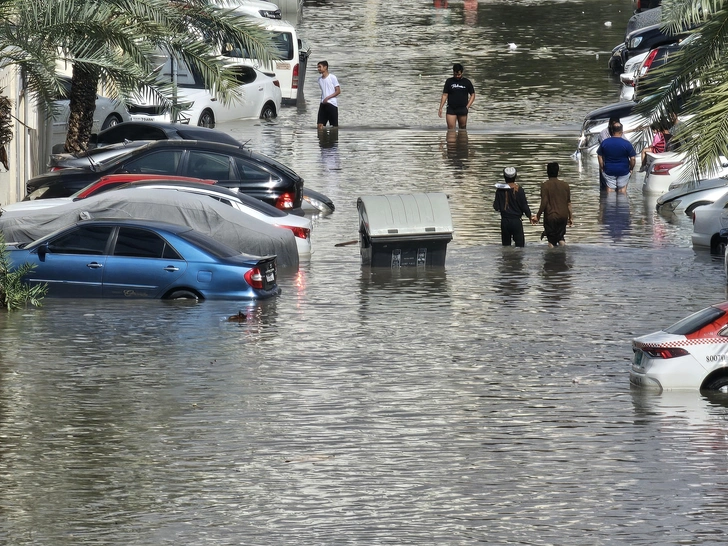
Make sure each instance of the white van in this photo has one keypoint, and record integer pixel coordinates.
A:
(290, 69)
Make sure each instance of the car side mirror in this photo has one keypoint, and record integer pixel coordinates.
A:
(42, 251)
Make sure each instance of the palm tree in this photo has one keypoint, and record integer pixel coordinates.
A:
(694, 84)
(113, 41)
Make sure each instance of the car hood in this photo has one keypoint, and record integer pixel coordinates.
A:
(701, 185)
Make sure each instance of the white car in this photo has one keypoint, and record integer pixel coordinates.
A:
(691, 354)
(708, 221)
(261, 98)
(669, 170)
(689, 196)
(597, 120)
(629, 76)
(108, 113)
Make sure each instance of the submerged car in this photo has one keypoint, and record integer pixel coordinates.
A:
(107, 113)
(260, 97)
(597, 120)
(233, 167)
(690, 354)
(130, 258)
(690, 196)
(669, 170)
(709, 221)
(218, 220)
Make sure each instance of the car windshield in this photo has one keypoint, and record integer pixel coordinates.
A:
(695, 322)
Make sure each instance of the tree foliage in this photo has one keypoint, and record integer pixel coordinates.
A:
(694, 83)
(114, 41)
(14, 292)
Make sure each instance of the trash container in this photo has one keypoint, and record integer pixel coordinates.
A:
(404, 230)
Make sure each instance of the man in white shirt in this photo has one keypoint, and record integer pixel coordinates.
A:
(330, 89)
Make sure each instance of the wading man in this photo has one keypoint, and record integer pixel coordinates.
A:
(459, 94)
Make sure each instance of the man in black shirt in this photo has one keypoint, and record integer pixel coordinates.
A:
(459, 94)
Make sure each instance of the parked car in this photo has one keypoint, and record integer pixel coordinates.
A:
(708, 221)
(131, 258)
(643, 18)
(641, 40)
(107, 113)
(220, 221)
(629, 77)
(597, 120)
(689, 196)
(690, 354)
(254, 8)
(644, 5)
(292, 53)
(299, 225)
(260, 98)
(668, 170)
(234, 167)
(33, 200)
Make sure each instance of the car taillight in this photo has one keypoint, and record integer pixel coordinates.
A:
(664, 168)
(647, 63)
(300, 232)
(276, 83)
(56, 168)
(294, 82)
(285, 201)
(665, 352)
(254, 278)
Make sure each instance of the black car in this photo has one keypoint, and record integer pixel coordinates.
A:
(639, 41)
(150, 130)
(232, 166)
(644, 5)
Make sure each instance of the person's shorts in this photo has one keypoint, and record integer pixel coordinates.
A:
(328, 113)
(462, 111)
(616, 182)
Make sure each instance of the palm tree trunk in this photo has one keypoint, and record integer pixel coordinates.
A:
(84, 82)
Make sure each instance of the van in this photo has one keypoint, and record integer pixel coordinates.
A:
(290, 68)
(254, 8)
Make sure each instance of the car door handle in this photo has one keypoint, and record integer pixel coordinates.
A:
(94, 265)
(171, 268)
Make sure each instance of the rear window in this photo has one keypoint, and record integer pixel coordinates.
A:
(208, 244)
(695, 322)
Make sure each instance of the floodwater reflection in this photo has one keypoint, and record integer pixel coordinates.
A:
(614, 214)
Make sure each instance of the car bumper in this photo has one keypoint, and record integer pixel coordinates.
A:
(682, 373)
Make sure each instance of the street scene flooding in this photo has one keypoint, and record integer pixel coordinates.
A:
(486, 402)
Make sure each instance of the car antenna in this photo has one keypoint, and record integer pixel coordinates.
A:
(244, 144)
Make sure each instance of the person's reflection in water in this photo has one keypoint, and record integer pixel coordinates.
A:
(470, 7)
(439, 3)
(556, 275)
(456, 148)
(329, 144)
(511, 281)
(614, 214)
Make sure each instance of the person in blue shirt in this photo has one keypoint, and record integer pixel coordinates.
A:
(616, 160)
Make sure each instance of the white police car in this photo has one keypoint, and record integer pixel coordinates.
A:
(690, 354)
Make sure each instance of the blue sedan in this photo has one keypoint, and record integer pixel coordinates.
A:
(126, 258)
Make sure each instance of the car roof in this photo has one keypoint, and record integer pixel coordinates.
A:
(620, 109)
(243, 198)
(153, 130)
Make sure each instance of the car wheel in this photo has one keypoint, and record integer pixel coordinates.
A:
(183, 295)
(717, 384)
(691, 208)
(268, 111)
(717, 245)
(207, 119)
(112, 120)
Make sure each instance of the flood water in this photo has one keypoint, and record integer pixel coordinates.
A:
(484, 403)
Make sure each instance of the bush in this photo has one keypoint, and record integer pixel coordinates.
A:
(14, 293)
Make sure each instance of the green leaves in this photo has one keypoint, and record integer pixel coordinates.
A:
(14, 292)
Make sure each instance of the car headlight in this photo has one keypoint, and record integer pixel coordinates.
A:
(634, 42)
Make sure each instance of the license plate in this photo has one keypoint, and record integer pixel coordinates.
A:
(270, 276)
(283, 66)
(637, 359)
(141, 118)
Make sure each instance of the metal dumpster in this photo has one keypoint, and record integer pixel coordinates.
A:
(404, 230)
